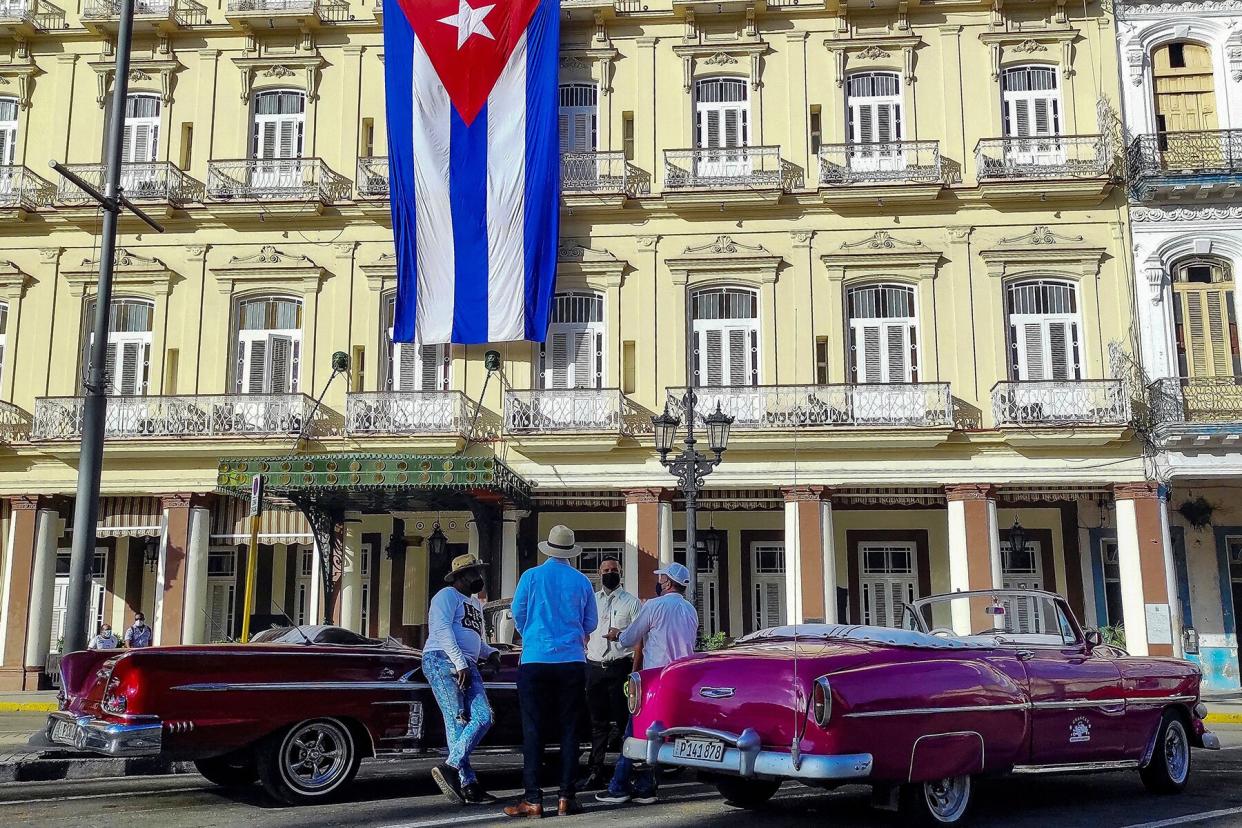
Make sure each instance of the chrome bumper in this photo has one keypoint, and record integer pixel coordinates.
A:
(139, 738)
(744, 757)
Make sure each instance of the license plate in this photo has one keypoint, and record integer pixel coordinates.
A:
(63, 733)
(702, 750)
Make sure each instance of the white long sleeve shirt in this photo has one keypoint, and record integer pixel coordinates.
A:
(613, 609)
(667, 626)
(455, 628)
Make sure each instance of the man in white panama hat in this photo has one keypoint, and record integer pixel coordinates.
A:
(554, 610)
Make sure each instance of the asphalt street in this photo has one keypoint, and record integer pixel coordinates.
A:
(400, 794)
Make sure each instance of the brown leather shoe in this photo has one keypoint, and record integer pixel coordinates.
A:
(568, 806)
(524, 809)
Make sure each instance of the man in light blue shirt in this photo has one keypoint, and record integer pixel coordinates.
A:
(554, 610)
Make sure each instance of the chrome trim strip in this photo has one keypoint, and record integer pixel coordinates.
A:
(919, 711)
(1156, 702)
(1077, 767)
(750, 761)
(212, 687)
(1073, 704)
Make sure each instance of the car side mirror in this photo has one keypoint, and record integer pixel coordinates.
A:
(1094, 638)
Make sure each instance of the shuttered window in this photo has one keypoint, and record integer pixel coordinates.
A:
(1044, 331)
(8, 136)
(1032, 101)
(278, 124)
(579, 117)
(302, 584)
(573, 355)
(722, 122)
(1185, 92)
(128, 357)
(706, 588)
(883, 334)
(269, 346)
(767, 584)
(4, 337)
(886, 581)
(60, 593)
(726, 337)
(140, 139)
(1205, 319)
(411, 366)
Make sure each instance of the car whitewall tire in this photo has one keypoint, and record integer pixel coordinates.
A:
(937, 801)
(309, 761)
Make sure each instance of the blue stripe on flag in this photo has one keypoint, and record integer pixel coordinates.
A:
(543, 165)
(468, 194)
(398, 76)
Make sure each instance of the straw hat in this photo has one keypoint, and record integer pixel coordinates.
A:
(460, 564)
(560, 543)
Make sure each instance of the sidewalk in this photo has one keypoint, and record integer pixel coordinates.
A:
(40, 702)
(1224, 709)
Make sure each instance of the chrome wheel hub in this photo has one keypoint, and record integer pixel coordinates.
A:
(315, 755)
(947, 798)
(1176, 752)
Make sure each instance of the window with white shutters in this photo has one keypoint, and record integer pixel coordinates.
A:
(706, 589)
(4, 337)
(411, 366)
(726, 336)
(221, 593)
(8, 134)
(883, 334)
(579, 117)
(279, 119)
(364, 594)
(1205, 319)
(60, 593)
(269, 345)
(573, 354)
(128, 358)
(886, 581)
(722, 122)
(1044, 331)
(140, 143)
(874, 116)
(302, 584)
(767, 584)
(1032, 109)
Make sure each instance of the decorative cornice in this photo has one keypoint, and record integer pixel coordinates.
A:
(280, 67)
(726, 246)
(720, 54)
(21, 76)
(725, 257)
(970, 491)
(913, 260)
(141, 71)
(576, 259)
(1027, 43)
(1043, 250)
(1041, 234)
(806, 494)
(1141, 215)
(382, 273)
(873, 49)
(13, 282)
(269, 265)
(132, 272)
(648, 496)
(881, 240)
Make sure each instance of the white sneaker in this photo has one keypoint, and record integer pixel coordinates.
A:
(612, 798)
(647, 799)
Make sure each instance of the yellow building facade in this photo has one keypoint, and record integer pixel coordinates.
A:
(886, 238)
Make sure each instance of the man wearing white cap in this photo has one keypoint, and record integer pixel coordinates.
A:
(667, 627)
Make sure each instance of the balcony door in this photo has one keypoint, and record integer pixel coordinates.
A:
(269, 344)
(1032, 113)
(767, 584)
(573, 355)
(140, 146)
(1205, 319)
(128, 357)
(415, 367)
(60, 591)
(302, 584)
(726, 337)
(883, 334)
(722, 127)
(1044, 331)
(8, 148)
(221, 614)
(279, 120)
(873, 112)
(706, 589)
(579, 117)
(887, 580)
(1184, 89)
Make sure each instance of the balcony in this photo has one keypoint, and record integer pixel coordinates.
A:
(372, 180)
(917, 413)
(160, 182)
(712, 177)
(1185, 166)
(14, 424)
(22, 192)
(291, 182)
(1072, 167)
(556, 419)
(1197, 412)
(285, 14)
(599, 179)
(25, 18)
(895, 172)
(408, 413)
(218, 416)
(1061, 404)
(104, 16)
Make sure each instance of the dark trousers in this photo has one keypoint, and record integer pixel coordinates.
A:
(543, 688)
(605, 695)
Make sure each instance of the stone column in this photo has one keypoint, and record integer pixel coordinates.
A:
(19, 565)
(198, 542)
(664, 511)
(351, 574)
(42, 588)
(509, 564)
(810, 560)
(472, 537)
(642, 539)
(172, 580)
(1144, 558)
(974, 546)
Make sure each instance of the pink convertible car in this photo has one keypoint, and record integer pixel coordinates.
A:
(978, 683)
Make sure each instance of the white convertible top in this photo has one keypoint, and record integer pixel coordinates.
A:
(872, 635)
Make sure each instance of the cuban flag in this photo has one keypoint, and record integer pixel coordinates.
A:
(474, 166)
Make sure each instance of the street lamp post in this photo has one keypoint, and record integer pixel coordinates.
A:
(691, 466)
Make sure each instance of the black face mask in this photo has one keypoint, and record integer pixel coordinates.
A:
(659, 589)
(610, 580)
(473, 584)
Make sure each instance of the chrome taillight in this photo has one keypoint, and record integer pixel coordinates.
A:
(821, 701)
(634, 693)
(115, 700)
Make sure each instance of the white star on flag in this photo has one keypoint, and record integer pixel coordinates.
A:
(469, 21)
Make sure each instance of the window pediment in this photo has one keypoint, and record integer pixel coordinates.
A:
(728, 57)
(17, 80)
(144, 76)
(132, 273)
(13, 282)
(589, 65)
(863, 53)
(279, 71)
(596, 268)
(382, 273)
(882, 253)
(1010, 48)
(1042, 251)
(725, 257)
(267, 267)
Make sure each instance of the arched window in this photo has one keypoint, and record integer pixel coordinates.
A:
(1044, 331)
(410, 366)
(141, 137)
(1205, 318)
(579, 117)
(873, 107)
(573, 356)
(8, 137)
(278, 123)
(127, 362)
(726, 336)
(884, 334)
(1184, 88)
(1032, 102)
(722, 113)
(269, 345)
(4, 337)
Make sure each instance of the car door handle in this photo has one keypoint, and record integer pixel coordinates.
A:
(1026, 655)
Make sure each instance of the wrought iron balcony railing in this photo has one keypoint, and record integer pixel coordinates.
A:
(184, 12)
(14, 423)
(720, 168)
(408, 412)
(571, 410)
(21, 188)
(779, 407)
(37, 13)
(606, 173)
(1061, 402)
(1174, 157)
(222, 415)
(159, 181)
(1051, 157)
(891, 162)
(329, 10)
(275, 179)
(372, 181)
(1196, 400)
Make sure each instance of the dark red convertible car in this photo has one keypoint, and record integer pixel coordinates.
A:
(979, 683)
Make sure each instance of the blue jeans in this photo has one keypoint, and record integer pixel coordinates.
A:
(462, 737)
(625, 780)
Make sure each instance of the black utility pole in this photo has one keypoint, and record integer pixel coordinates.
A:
(90, 467)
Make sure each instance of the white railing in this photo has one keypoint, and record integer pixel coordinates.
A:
(330, 10)
(891, 162)
(408, 412)
(1060, 156)
(185, 12)
(1064, 402)
(155, 181)
(762, 407)
(573, 410)
(19, 187)
(726, 167)
(372, 181)
(38, 13)
(598, 172)
(222, 415)
(275, 179)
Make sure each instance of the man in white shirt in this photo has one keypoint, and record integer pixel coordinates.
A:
(667, 627)
(609, 664)
(106, 640)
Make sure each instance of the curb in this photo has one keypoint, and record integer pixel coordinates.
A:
(28, 707)
(42, 769)
(1224, 718)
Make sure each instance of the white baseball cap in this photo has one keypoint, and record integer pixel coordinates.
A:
(676, 572)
